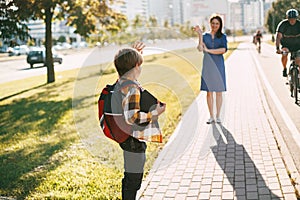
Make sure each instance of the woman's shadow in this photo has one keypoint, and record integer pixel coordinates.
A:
(238, 167)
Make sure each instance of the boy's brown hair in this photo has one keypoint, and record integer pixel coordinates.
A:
(126, 59)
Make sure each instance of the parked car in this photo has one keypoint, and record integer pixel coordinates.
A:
(3, 49)
(18, 50)
(38, 55)
(62, 46)
(80, 44)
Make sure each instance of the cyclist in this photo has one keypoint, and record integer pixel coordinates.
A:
(257, 38)
(288, 35)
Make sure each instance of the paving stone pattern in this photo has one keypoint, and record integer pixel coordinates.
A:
(238, 159)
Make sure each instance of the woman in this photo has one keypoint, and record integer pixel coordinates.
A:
(214, 45)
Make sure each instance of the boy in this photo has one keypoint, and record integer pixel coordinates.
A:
(128, 64)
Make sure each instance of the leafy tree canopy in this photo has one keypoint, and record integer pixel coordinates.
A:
(84, 15)
(277, 12)
(11, 22)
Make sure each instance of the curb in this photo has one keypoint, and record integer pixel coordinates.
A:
(4, 58)
(10, 58)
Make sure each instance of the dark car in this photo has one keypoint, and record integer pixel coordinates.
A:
(38, 55)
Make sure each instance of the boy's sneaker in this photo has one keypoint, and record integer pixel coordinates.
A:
(218, 120)
(284, 74)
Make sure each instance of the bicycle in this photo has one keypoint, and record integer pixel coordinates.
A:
(257, 42)
(259, 48)
(294, 77)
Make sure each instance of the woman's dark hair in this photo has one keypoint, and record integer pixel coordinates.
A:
(219, 32)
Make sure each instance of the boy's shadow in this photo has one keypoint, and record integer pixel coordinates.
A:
(238, 167)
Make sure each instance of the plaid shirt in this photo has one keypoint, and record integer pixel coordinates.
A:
(133, 115)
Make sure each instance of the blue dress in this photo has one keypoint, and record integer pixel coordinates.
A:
(213, 70)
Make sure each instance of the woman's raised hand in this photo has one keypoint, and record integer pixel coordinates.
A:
(197, 29)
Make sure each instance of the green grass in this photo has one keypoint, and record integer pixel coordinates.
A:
(51, 144)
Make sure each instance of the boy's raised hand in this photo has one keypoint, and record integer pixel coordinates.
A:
(139, 46)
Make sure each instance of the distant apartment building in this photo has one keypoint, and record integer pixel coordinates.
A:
(201, 10)
(161, 10)
(131, 8)
(181, 11)
(37, 30)
(246, 15)
(235, 16)
(171, 11)
(253, 16)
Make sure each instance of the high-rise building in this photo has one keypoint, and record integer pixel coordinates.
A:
(201, 10)
(253, 15)
(245, 15)
(172, 11)
(235, 16)
(37, 30)
(181, 11)
(162, 10)
(131, 8)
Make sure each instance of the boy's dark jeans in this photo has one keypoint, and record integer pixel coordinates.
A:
(134, 161)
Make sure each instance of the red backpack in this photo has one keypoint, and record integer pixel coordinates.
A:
(110, 111)
(111, 116)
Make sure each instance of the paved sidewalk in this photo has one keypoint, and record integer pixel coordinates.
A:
(236, 160)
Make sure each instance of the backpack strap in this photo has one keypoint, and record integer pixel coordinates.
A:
(127, 83)
(117, 87)
(109, 127)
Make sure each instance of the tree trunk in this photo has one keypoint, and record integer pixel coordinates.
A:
(49, 57)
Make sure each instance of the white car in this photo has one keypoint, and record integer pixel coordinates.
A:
(18, 50)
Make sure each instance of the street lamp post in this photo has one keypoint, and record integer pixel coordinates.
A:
(273, 27)
(171, 14)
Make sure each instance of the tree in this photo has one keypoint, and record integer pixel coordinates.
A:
(80, 14)
(153, 21)
(277, 12)
(137, 22)
(62, 39)
(11, 23)
(187, 30)
(166, 24)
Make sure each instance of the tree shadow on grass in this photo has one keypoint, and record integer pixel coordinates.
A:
(23, 116)
(21, 172)
(21, 92)
(49, 89)
(31, 134)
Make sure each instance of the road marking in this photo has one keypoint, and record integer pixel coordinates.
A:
(286, 118)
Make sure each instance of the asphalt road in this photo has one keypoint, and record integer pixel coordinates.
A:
(283, 108)
(18, 68)
(15, 68)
